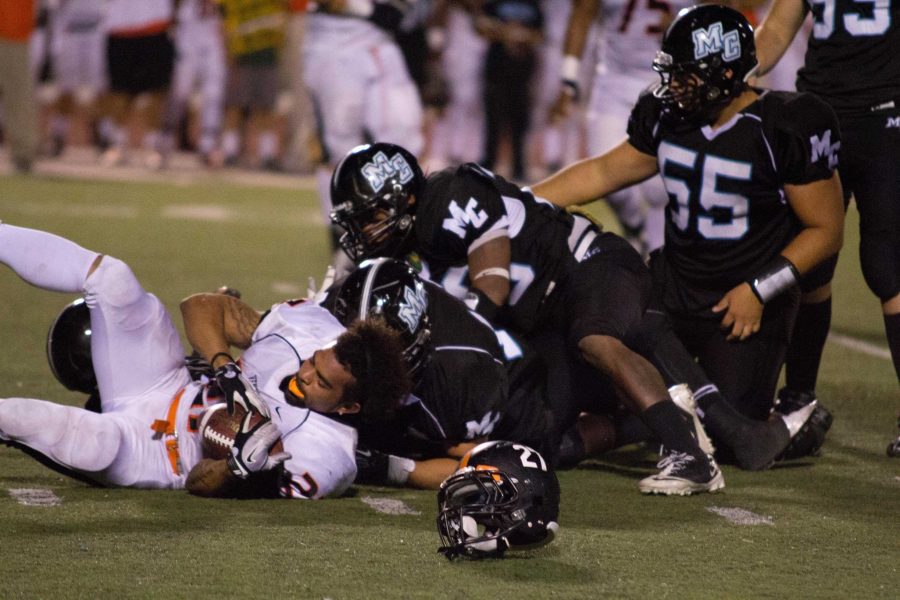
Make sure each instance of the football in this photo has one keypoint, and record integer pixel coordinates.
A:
(218, 429)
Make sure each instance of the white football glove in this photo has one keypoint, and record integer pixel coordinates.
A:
(317, 295)
(250, 452)
(237, 390)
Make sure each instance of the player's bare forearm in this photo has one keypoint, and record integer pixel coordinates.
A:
(593, 178)
(213, 323)
(429, 474)
(212, 479)
(778, 28)
(580, 20)
(489, 269)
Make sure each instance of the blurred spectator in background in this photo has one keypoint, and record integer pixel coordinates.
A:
(73, 69)
(254, 35)
(558, 140)
(630, 35)
(139, 57)
(200, 63)
(359, 83)
(514, 30)
(20, 129)
(458, 136)
(302, 149)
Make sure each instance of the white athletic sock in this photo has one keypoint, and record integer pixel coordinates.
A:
(267, 145)
(45, 260)
(231, 143)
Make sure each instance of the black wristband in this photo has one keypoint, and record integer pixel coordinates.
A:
(481, 303)
(218, 354)
(778, 276)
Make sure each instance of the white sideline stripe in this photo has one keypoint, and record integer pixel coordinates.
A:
(199, 212)
(740, 516)
(859, 345)
(35, 497)
(389, 506)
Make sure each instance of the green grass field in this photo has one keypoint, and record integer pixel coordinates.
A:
(827, 528)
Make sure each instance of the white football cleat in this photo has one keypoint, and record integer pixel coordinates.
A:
(683, 398)
(682, 475)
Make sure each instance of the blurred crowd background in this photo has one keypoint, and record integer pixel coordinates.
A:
(276, 84)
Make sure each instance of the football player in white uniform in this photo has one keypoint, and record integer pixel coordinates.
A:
(630, 33)
(78, 55)
(199, 63)
(146, 435)
(458, 136)
(359, 82)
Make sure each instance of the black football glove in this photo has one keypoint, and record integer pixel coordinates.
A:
(377, 468)
(371, 467)
(250, 452)
(237, 390)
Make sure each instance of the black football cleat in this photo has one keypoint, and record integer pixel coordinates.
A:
(809, 438)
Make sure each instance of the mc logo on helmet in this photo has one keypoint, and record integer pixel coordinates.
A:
(381, 169)
(713, 41)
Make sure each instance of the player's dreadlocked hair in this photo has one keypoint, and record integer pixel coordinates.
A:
(373, 353)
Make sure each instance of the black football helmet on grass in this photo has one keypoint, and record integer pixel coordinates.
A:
(69, 348)
(707, 55)
(371, 189)
(503, 497)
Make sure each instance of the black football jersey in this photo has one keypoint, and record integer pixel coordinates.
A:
(853, 54)
(727, 215)
(465, 207)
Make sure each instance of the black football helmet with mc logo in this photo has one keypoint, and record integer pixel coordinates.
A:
(371, 189)
(707, 55)
(390, 289)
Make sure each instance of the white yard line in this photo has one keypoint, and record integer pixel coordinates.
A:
(82, 163)
(859, 345)
(35, 497)
(740, 516)
(389, 506)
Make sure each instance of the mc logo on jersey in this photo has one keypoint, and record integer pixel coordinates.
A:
(382, 168)
(412, 307)
(459, 218)
(822, 146)
(713, 41)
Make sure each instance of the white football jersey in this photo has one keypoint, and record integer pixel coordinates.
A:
(338, 32)
(323, 451)
(632, 32)
(127, 14)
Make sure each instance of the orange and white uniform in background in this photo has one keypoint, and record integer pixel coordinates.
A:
(630, 35)
(16, 81)
(361, 88)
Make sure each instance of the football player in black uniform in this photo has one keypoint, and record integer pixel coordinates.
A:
(853, 64)
(754, 199)
(537, 269)
(465, 391)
